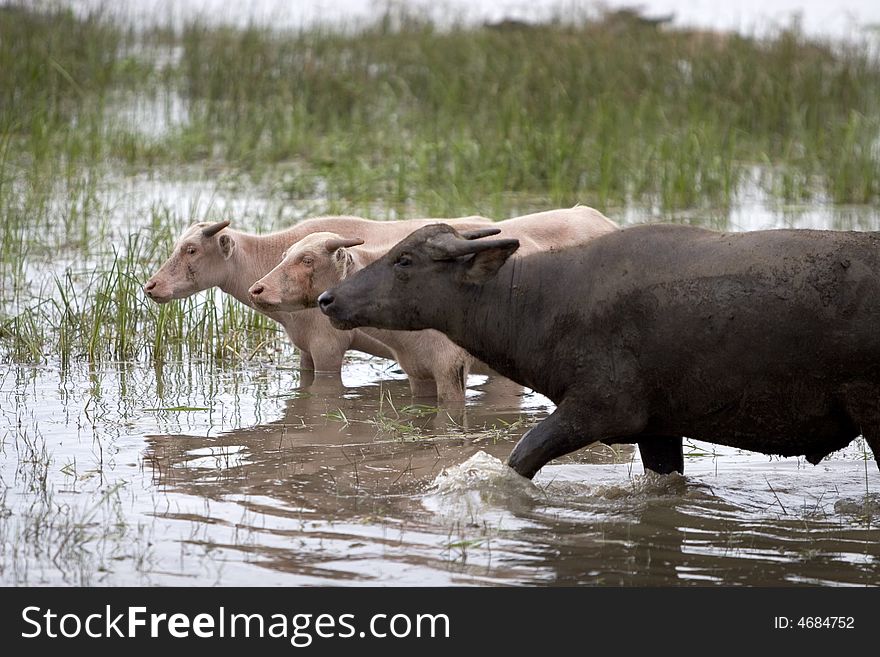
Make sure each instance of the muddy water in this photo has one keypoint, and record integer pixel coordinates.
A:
(194, 475)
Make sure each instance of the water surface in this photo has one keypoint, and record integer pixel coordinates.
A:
(109, 481)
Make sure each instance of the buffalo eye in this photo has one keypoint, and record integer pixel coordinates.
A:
(190, 250)
(308, 260)
(403, 260)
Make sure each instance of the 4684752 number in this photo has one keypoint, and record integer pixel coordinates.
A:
(815, 622)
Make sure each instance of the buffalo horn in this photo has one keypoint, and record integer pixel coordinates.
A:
(479, 232)
(213, 229)
(341, 243)
(447, 246)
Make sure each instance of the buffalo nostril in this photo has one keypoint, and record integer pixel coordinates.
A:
(150, 285)
(257, 290)
(325, 300)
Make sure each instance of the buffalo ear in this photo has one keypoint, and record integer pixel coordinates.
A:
(485, 264)
(227, 245)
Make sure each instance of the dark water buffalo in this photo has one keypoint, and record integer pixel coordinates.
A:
(767, 341)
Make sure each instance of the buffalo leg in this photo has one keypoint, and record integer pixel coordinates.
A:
(328, 356)
(451, 385)
(440, 383)
(553, 437)
(421, 388)
(662, 454)
(863, 408)
(574, 424)
(872, 437)
(306, 369)
(306, 378)
(305, 361)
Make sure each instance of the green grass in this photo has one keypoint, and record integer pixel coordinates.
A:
(95, 309)
(447, 119)
(397, 117)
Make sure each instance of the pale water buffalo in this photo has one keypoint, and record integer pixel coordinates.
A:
(434, 364)
(214, 255)
(767, 341)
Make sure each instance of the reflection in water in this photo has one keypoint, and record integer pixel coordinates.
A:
(332, 485)
(354, 486)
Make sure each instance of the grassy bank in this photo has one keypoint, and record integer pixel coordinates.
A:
(396, 117)
(402, 111)
(449, 119)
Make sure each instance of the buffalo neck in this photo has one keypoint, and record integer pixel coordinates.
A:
(254, 257)
(504, 322)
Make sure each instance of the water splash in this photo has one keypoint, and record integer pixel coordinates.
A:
(481, 489)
